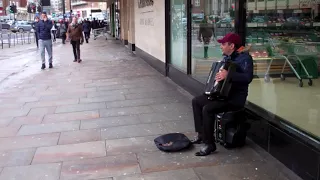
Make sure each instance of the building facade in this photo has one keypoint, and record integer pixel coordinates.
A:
(282, 36)
(86, 9)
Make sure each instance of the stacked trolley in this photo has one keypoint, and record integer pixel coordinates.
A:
(293, 51)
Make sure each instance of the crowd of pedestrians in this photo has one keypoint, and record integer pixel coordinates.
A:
(74, 31)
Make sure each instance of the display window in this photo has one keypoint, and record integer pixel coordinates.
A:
(179, 34)
(211, 20)
(284, 41)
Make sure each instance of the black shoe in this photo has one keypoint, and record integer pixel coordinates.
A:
(75, 60)
(43, 66)
(197, 140)
(79, 61)
(206, 150)
(50, 65)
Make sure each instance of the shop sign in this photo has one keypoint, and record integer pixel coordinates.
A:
(145, 3)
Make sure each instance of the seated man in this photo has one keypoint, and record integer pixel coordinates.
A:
(204, 110)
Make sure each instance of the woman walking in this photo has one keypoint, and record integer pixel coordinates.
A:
(63, 30)
(34, 27)
(74, 33)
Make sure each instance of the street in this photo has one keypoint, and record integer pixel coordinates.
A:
(96, 120)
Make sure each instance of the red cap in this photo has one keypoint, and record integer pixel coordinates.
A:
(231, 38)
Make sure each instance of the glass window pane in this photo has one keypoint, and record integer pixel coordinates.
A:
(179, 34)
(210, 21)
(285, 44)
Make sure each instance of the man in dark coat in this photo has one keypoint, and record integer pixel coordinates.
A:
(86, 30)
(44, 34)
(205, 109)
(205, 34)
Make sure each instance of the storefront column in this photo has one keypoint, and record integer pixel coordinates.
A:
(131, 22)
(124, 23)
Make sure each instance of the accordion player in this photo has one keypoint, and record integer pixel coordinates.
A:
(219, 90)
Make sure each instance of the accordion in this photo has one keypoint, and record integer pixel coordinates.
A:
(219, 90)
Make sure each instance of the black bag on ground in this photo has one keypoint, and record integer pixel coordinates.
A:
(172, 142)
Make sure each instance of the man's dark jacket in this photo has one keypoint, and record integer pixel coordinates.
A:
(86, 27)
(44, 29)
(241, 78)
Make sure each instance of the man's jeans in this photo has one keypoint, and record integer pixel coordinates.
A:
(45, 44)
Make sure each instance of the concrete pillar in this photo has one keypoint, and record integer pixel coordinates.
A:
(124, 21)
(131, 21)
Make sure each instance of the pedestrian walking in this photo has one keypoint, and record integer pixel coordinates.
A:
(54, 30)
(34, 27)
(63, 30)
(86, 30)
(75, 34)
(44, 33)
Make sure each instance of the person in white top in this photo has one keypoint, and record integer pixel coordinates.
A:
(54, 30)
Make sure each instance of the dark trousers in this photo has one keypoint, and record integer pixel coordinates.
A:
(37, 39)
(76, 49)
(63, 38)
(87, 36)
(204, 112)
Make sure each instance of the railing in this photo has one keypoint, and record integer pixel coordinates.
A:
(10, 38)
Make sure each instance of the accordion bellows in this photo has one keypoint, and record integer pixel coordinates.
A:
(219, 90)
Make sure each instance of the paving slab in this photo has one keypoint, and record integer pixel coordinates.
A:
(9, 131)
(139, 130)
(125, 111)
(161, 161)
(24, 120)
(33, 172)
(179, 107)
(130, 145)
(49, 128)
(143, 102)
(110, 122)
(116, 97)
(153, 95)
(69, 152)
(13, 112)
(81, 136)
(42, 111)
(165, 117)
(107, 93)
(74, 116)
(22, 142)
(181, 126)
(19, 157)
(80, 107)
(42, 104)
(5, 121)
(184, 174)
(100, 168)
(256, 170)
(64, 95)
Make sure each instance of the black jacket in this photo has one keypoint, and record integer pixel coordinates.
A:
(44, 29)
(241, 78)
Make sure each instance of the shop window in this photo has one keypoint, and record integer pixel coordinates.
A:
(179, 34)
(284, 42)
(210, 22)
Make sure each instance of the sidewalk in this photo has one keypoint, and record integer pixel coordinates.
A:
(97, 121)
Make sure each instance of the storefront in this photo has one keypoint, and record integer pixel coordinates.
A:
(284, 41)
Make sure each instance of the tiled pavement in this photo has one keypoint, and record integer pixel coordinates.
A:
(97, 121)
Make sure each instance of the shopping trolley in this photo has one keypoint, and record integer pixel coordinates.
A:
(288, 51)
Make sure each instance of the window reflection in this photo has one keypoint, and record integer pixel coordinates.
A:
(285, 42)
(211, 20)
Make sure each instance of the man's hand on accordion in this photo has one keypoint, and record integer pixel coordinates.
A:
(221, 75)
